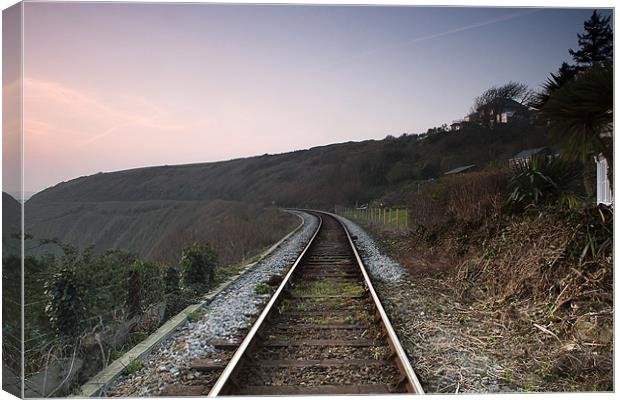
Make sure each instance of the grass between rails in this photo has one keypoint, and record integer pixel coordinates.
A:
(328, 287)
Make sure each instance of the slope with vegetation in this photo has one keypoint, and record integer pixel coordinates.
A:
(521, 249)
(513, 267)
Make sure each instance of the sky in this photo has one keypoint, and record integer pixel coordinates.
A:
(115, 86)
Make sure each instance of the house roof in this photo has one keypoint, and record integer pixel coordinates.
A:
(510, 104)
(460, 169)
(529, 152)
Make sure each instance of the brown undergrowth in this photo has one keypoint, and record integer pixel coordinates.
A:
(532, 292)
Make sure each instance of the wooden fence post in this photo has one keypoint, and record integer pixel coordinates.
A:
(406, 219)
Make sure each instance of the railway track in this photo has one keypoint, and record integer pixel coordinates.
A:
(323, 331)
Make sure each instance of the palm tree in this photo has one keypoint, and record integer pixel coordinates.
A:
(555, 81)
(580, 115)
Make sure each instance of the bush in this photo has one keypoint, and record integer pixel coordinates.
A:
(198, 262)
(263, 288)
(172, 280)
(145, 286)
(546, 180)
(467, 198)
(65, 306)
(134, 366)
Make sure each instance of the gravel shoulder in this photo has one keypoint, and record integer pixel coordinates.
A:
(225, 318)
(432, 328)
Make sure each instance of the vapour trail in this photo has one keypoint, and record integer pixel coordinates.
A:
(423, 39)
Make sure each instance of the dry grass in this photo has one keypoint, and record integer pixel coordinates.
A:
(468, 198)
(532, 295)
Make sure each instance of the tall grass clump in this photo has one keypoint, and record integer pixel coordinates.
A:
(467, 198)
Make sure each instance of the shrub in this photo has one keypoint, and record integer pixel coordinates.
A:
(134, 365)
(172, 280)
(195, 315)
(545, 180)
(467, 198)
(144, 286)
(65, 306)
(263, 288)
(198, 262)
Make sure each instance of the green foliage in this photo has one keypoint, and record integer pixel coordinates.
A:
(195, 315)
(65, 307)
(134, 366)
(596, 45)
(545, 180)
(172, 280)
(565, 73)
(263, 288)
(145, 286)
(580, 111)
(198, 262)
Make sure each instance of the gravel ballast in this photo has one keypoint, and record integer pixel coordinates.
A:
(380, 266)
(430, 327)
(225, 317)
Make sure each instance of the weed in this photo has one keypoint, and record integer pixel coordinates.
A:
(135, 365)
(116, 355)
(137, 337)
(195, 315)
(529, 387)
(329, 288)
(263, 288)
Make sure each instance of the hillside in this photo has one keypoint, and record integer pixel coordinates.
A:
(321, 176)
(11, 224)
(158, 230)
(154, 211)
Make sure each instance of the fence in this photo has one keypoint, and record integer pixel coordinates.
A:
(389, 218)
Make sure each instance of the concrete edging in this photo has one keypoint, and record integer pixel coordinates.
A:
(102, 381)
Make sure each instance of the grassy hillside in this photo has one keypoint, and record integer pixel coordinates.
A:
(11, 224)
(155, 211)
(158, 230)
(322, 176)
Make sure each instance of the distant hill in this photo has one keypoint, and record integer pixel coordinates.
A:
(321, 176)
(11, 224)
(153, 210)
(158, 230)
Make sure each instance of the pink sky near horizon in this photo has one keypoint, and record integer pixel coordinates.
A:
(116, 86)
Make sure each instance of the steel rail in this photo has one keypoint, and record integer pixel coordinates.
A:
(409, 377)
(413, 384)
(234, 361)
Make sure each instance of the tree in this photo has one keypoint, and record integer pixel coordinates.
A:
(580, 115)
(565, 73)
(596, 44)
(493, 101)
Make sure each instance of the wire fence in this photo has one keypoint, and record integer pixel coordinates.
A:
(396, 219)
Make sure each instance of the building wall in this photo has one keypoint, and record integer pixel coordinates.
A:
(603, 188)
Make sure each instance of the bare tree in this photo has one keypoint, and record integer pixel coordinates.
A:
(494, 100)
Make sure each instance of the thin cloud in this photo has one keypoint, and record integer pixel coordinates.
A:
(420, 39)
(57, 111)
